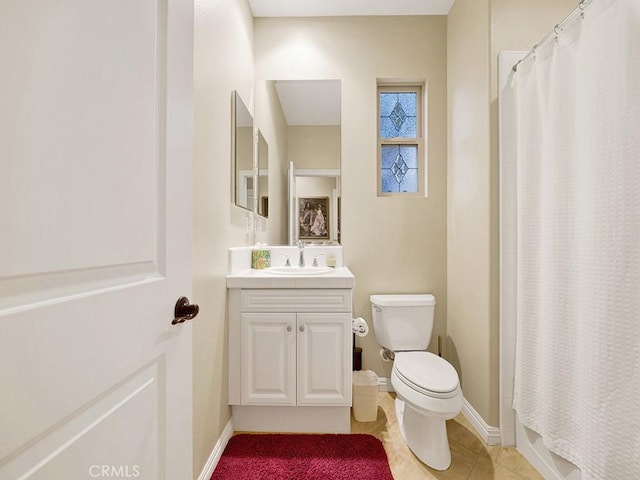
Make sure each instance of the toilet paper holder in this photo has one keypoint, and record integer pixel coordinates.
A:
(359, 326)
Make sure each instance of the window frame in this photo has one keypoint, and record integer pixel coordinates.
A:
(418, 141)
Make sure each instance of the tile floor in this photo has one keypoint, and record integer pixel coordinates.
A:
(471, 458)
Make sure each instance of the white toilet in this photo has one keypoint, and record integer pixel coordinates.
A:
(427, 387)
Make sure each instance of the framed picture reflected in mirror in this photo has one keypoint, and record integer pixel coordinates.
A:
(313, 218)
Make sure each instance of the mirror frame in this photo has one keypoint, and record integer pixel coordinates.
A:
(237, 102)
(262, 170)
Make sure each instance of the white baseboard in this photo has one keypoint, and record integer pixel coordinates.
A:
(490, 435)
(283, 418)
(214, 458)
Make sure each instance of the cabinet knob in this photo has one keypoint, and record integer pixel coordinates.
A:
(289, 328)
(302, 328)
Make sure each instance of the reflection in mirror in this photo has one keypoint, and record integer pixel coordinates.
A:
(243, 154)
(312, 112)
(263, 176)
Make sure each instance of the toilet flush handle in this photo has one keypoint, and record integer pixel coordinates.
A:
(377, 308)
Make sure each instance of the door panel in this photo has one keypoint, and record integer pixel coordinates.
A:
(68, 117)
(324, 346)
(86, 93)
(96, 151)
(268, 356)
(121, 414)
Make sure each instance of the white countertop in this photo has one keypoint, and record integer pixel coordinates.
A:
(252, 278)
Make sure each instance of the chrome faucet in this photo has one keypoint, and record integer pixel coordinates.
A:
(301, 249)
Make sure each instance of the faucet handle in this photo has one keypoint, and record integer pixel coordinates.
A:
(287, 262)
(315, 259)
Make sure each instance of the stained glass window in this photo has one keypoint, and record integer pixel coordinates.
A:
(400, 161)
(399, 167)
(398, 115)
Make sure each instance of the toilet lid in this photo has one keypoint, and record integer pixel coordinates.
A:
(426, 371)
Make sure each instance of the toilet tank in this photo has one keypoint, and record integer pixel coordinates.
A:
(403, 322)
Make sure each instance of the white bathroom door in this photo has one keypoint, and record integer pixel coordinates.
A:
(95, 238)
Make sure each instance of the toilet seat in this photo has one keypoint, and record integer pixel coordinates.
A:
(427, 373)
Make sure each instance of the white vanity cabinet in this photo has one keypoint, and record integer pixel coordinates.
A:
(290, 359)
(296, 359)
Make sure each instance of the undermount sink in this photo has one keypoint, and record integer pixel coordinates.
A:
(299, 271)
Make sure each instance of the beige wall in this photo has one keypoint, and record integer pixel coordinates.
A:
(520, 25)
(223, 61)
(392, 245)
(477, 31)
(272, 123)
(315, 186)
(315, 146)
(468, 243)
(413, 254)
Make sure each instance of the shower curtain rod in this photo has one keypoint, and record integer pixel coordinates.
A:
(557, 30)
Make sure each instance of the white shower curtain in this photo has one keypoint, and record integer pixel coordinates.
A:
(577, 380)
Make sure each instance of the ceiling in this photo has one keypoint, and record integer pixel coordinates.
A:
(346, 8)
(310, 102)
(318, 102)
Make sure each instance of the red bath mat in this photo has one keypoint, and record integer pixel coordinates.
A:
(303, 457)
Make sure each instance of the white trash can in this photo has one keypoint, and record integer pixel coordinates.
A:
(365, 395)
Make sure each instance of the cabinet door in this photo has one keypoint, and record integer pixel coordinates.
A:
(324, 358)
(268, 358)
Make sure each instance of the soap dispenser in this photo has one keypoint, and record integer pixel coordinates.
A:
(260, 256)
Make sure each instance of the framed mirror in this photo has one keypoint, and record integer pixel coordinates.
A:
(263, 176)
(244, 189)
(312, 109)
